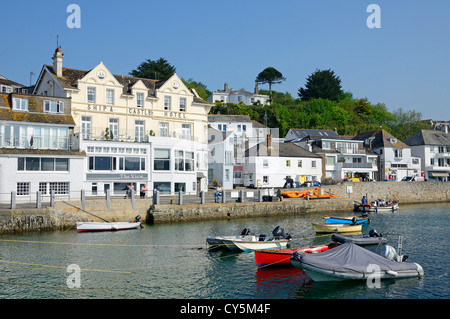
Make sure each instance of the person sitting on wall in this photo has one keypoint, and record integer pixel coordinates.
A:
(217, 193)
(144, 190)
(364, 200)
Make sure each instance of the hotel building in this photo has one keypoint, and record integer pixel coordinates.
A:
(134, 130)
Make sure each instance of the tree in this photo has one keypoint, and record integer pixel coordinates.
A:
(321, 84)
(272, 76)
(157, 70)
(199, 87)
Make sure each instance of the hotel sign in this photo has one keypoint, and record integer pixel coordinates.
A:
(134, 111)
(110, 177)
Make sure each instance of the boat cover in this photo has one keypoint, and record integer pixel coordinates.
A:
(350, 257)
(358, 239)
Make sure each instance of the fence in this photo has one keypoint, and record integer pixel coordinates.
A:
(38, 200)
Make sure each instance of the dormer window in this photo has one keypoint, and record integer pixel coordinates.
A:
(20, 104)
(140, 99)
(53, 106)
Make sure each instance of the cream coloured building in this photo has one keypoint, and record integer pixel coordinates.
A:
(133, 130)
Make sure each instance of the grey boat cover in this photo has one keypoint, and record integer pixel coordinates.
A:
(350, 257)
(358, 239)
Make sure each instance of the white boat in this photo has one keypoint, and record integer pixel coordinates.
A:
(107, 226)
(337, 228)
(247, 241)
(256, 243)
(373, 207)
(352, 262)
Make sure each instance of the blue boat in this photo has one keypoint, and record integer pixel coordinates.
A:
(347, 219)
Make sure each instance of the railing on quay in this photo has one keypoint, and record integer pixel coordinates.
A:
(11, 201)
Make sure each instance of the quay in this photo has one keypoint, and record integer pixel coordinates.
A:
(190, 208)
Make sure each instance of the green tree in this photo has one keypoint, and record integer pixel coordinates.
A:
(321, 84)
(199, 87)
(157, 70)
(271, 76)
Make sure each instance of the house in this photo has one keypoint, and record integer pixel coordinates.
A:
(36, 156)
(243, 133)
(395, 160)
(134, 130)
(221, 158)
(270, 165)
(343, 157)
(9, 86)
(433, 147)
(238, 96)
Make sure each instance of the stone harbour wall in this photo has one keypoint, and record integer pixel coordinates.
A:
(65, 214)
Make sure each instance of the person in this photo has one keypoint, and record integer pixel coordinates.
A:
(144, 190)
(364, 200)
(127, 190)
(130, 188)
(217, 193)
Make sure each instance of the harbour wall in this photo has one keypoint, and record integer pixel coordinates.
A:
(64, 215)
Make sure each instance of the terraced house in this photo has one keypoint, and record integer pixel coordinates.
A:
(36, 156)
(133, 130)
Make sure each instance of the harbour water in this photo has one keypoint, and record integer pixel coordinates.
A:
(172, 261)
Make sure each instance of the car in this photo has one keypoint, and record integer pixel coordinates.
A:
(312, 184)
(412, 179)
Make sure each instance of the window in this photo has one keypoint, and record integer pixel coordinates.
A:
(398, 153)
(326, 145)
(179, 160)
(167, 103)
(23, 188)
(163, 129)
(265, 179)
(330, 160)
(109, 96)
(139, 131)
(140, 99)
(53, 106)
(100, 163)
(20, 104)
(184, 161)
(180, 187)
(186, 131)
(91, 94)
(288, 163)
(313, 163)
(182, 104)
(86, 127)
(265, 163)
(299, 163)
(227, 175)
(60, 188)
(161, 159)
(113, 129)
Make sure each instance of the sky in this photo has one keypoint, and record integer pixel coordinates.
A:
(404, 63)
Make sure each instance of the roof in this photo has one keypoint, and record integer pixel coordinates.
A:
(7, 82)
(34, 151)
(228, 118)
(381, 139)
(301, 133)
(280, 150)
(429, 137)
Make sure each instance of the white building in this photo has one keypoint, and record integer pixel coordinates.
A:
(221, 158)
(433, 147)
(270, 165)
(134, 130)
(239, 96)
(343, 158)
(35, 150)
(395, 158)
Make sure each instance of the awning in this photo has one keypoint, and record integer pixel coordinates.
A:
(439, 174)
(200, 175)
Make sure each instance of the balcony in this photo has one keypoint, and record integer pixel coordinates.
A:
(101, 134)
(348, 150)
(34, 142)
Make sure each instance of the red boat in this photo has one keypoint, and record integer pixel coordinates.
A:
(282, 256)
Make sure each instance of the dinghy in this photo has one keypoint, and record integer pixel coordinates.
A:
(372, 239)
(219, 241)
(373, 207)
(337, 228)
(83, 227)
(352, 262)
(248, 242)
(346, 220)
(281, 257)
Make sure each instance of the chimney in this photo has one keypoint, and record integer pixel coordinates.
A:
(256, 89)
(57, 62)
(226, 87)
(269, 141)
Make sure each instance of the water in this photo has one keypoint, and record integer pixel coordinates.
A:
(172, 261)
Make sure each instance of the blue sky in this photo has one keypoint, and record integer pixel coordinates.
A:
(404, 64)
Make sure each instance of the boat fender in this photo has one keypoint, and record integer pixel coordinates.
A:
(392, 273)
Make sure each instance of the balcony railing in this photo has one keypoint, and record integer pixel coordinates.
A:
(34, 142)
(101, 134)
(356, 165)
(347, 150)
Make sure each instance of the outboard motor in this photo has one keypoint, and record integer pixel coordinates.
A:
(374, 233)
(245, 232)
(278, 233)
(137, 218)
(262, 237)
(390, 253)
(354, 221)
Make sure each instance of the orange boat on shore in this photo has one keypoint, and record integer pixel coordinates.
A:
(317, 193)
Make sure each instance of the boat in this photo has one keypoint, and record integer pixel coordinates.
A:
(281, 257)
(83, 227)
(248, 242)
(373, 207)
(337, 228)
(219, 241)
(372, 239)
(317, 193)
(346, 220)
(352, 262)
